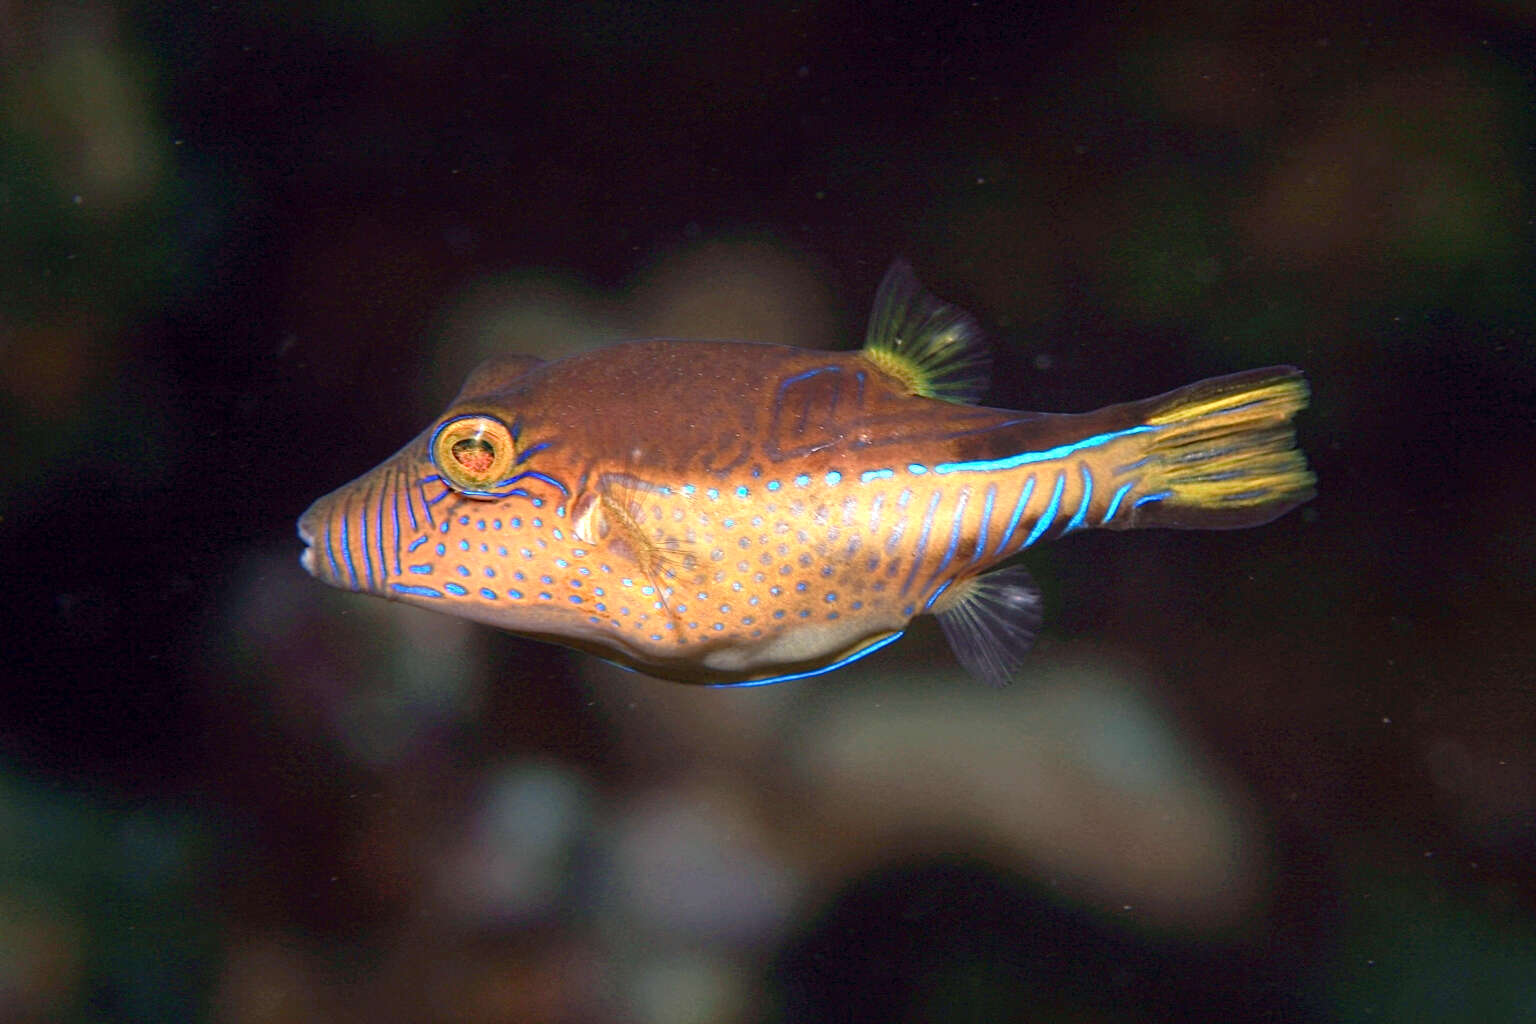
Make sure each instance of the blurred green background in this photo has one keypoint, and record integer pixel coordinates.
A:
(246, 251)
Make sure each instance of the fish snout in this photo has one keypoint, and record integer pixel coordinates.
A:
(356, 537)
(311, 525)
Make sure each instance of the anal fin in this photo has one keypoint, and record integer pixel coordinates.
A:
(991, 622)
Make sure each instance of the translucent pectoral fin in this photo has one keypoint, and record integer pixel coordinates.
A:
(609, 516)
(991, 622)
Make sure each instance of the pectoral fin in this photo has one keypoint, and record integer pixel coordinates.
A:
(991, 622)
(608, 516)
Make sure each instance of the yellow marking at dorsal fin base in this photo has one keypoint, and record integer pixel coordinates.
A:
(1224, 452)
(929, 347)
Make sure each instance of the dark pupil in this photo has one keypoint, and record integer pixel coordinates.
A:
(474, 454)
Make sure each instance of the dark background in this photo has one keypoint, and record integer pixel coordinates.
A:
(248, 250)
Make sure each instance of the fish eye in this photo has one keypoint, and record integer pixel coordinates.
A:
(473, 453)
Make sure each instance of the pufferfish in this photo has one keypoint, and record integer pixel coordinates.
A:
(734, 513)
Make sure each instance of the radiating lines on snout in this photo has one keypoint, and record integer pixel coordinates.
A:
(429, 500)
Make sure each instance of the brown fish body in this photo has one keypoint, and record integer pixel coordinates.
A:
(724, 512)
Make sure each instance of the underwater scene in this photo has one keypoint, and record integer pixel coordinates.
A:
(672, 514)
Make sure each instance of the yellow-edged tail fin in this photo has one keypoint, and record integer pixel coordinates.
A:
(1224, 452)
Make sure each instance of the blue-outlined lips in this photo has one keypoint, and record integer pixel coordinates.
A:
(307, 556)
(318, 533)
(348, 537)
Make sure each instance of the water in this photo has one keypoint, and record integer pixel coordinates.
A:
(1274, 774)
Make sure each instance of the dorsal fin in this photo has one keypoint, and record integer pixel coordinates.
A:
(934, 349)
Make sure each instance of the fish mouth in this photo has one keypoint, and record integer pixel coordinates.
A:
(348, 538)
(307, 537)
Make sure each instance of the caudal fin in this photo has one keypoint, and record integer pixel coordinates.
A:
(1223, 454)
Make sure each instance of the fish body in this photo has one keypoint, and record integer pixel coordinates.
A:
(740, 513)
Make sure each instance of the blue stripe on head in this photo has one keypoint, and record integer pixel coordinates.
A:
(378, 536)
(527, 453)
(346, 552)
(394, 493)
(410, 506)
(362, 521)
(407, 588)
(330, 553)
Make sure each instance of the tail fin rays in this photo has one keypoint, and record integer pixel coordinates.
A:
(1224, 454)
